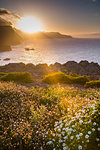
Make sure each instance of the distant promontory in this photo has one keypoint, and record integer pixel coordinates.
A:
(43, 35)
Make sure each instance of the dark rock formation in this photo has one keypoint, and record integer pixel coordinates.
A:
(8, 36)
(6, 59)
(83, 68)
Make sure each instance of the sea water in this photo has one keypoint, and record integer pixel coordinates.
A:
(53, 50)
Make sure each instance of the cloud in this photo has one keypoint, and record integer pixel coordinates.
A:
(9, 16)
(3, 11)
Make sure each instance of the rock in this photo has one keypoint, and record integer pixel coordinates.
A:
(57, 67)
(73, 67)
(93, 68)
(6, 59)
(84, 63)
(13, 67)
(42, 68)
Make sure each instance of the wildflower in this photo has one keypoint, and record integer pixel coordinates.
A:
(93, 129)
(59, 135)
(94, 123)
(53, 140)
(73, 126)
(71, 137)
(63, 144)
(89, 132)
(97, 139)
(79, 147)
(87, 136)
(87, 141)
(59, 130)
(50, 142)
(60, 141)
(74, 130)
(66, 137)
(81, 121)
(80, 134)
(98, 129)
(63, 133)
(65, 148)
(78, 137)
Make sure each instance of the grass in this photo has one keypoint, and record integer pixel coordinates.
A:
(49, 118)
(24, 77)
(63, 78)
(93, 84)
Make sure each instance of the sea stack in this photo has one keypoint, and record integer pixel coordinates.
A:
(8, 36)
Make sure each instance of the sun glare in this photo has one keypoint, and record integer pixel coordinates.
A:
(30, 25)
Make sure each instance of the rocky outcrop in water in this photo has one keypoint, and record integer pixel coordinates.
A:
(82, 68)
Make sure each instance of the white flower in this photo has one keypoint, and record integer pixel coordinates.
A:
(59, 135)
(80, 134)
(63, 144)
(78, 137)
(74, 130)
(47, 132)
(63, 133)
(89, 132)
(87, 136)
(81, 121)
(65, 148)
(53, 134)
(60, 141)
(59, 130)
(63, 129)
(53, 140)
(82, 141)
(71, 137)
(87, 141)
(50, 142)
(97, 139)
(66, 124)
(79, 147)
(98, 129)
(65, 137)
(94, 123)
(73, 126)
(89, 121)
(93, 129)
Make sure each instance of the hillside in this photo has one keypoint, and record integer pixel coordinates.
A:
(42, 35)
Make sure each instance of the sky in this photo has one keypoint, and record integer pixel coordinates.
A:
(65, 16)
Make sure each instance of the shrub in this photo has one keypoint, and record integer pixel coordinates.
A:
(93, 84)
(74, 75)
(60, 77)
(2, 74)
(23, 77)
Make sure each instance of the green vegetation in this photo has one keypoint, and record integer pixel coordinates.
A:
(2, 74)
(93, 84)
(63, 78)
(49, 118)
(24, 77)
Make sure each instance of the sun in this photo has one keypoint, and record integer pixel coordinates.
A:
(30, 25)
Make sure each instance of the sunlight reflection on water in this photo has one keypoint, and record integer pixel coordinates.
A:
(54, 50)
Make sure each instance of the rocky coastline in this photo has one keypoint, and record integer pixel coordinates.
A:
(38, 71)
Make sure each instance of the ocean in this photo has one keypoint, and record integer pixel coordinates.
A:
(53, 50)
